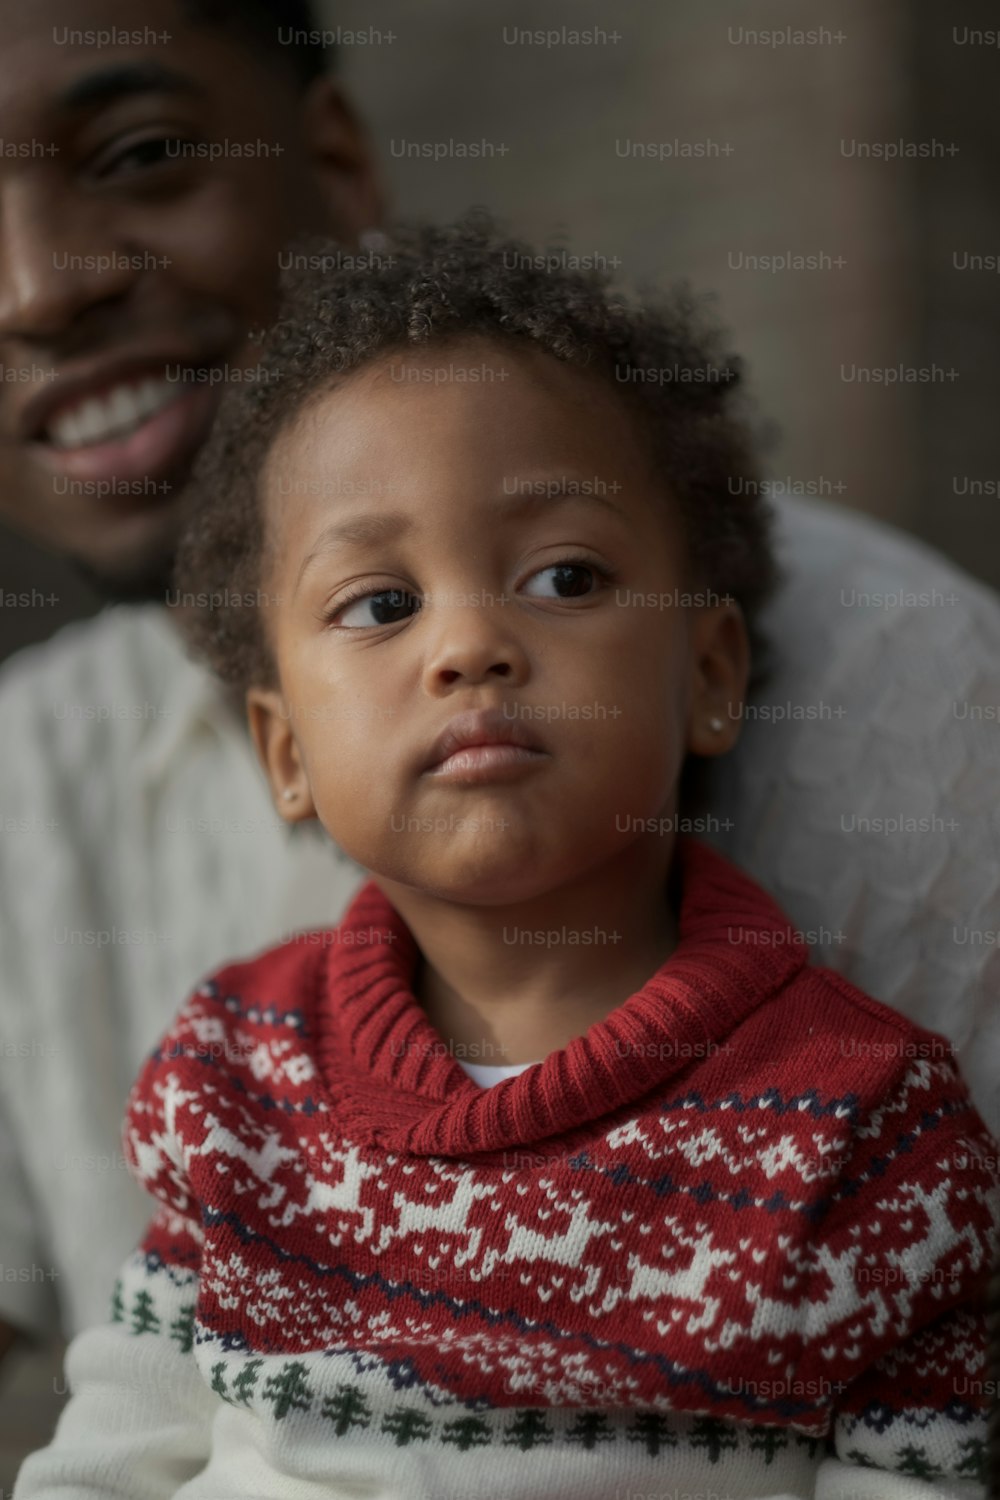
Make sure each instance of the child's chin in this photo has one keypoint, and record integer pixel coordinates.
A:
(484, 883)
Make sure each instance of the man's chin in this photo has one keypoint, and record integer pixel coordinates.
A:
(146, 582)
(135, 564)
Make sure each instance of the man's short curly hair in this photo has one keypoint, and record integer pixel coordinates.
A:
(434, 286)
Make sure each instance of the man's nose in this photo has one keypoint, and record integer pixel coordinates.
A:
(56, 261)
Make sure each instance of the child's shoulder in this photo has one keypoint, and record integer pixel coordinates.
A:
(841, 1001)
(816, 1027)
(246, 1021)
(857, 1045)
(280, 978)
(238, 1056)
(276, 987)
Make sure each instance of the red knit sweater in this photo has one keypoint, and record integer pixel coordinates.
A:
(747, 1220)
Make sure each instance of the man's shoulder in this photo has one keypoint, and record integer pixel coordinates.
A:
(90, 700)
(93, 677)
(872, 566)
(115, 638)
(889, 636)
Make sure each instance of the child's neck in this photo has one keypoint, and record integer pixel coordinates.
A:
(497, 997)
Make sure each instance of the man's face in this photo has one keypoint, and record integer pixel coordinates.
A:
(463, 530)
(147, 186)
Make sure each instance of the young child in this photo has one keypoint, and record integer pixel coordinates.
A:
(555, 1169)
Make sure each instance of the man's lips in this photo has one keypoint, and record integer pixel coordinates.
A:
(150, 450)
(71, 385)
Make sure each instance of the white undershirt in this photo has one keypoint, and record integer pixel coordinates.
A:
(487, 1074)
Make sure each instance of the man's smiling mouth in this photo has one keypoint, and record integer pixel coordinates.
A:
(130, 420)
(124, 408)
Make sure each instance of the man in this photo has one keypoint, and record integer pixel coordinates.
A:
(136, 260)
(151, 171)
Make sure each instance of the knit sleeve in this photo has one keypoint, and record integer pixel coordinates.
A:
(914, 1425)
(138, 1423)
(907, 1264)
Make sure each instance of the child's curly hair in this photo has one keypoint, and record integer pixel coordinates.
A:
(434, 286)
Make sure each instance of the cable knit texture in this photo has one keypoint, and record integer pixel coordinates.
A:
(734, 1240)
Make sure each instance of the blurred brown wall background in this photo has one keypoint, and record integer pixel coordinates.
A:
(780, 126)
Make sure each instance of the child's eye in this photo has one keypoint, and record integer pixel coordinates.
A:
(571, 579)
(386, 605)
(369, 608)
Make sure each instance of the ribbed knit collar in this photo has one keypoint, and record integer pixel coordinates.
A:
(392, 1079)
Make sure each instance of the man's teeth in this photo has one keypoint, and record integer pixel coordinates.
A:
(99, 418)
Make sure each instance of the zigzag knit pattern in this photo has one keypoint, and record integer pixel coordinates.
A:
(733, 1241)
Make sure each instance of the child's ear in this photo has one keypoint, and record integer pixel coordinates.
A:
(270, 722)
(721, 670)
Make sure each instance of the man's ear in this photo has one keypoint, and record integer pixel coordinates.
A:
(270, 722)
(721, 670)
(341, 155)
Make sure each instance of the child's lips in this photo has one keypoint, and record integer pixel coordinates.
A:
(488, 762)
(484, 730)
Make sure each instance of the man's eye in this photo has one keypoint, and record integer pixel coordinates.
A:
(156, 151)
(569, 579)
(386, 606)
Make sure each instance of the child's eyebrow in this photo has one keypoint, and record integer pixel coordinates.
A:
(374, 527)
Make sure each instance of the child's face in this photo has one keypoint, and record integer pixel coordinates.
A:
(459, 478)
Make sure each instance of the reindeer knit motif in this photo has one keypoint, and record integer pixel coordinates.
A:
(733, 1242)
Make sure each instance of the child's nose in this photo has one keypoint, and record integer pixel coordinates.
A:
(472, 638)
